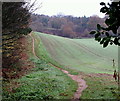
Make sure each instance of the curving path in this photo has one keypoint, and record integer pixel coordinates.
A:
(78, 78)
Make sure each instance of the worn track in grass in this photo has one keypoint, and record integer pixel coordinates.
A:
(78, 78)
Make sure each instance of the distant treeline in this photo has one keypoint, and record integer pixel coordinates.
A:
(66, 26)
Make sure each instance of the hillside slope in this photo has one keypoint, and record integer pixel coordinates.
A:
(41, 81)
(84, 55)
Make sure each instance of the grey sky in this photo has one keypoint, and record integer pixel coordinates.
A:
(71, 7)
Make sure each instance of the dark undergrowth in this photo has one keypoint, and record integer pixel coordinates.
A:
(42, 82)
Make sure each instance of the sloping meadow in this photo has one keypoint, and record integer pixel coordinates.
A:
(84, 55)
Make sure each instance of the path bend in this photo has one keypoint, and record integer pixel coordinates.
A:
(77, 78)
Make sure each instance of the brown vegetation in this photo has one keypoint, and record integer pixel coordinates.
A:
(22, 64)
(66, 26)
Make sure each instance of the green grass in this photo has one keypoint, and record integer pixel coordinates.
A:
(100, 87)
(43, 54)
(43, 83)
(46, 82)
(84, 55)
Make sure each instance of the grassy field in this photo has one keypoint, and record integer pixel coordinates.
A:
(84, 55)
(100, 86)
(43, 82)
(79, 56)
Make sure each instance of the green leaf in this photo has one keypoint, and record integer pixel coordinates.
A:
(111, 43)
(98, 27)
(97, 35)
(92, 32)
(98, 39)
(102, 3)
(108, 39)
(104, 9)
(105, 44)
(109, 21)
(102, 41)
(116, 41)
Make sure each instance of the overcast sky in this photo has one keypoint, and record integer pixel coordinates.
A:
(77, 8)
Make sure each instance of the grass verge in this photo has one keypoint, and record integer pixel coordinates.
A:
(100, 86)
(43, 82)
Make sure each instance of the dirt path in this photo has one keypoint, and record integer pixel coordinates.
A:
(33, 49)
(81, 84)
(78, 78)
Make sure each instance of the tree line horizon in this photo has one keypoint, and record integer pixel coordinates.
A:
(65, 25)
(106, 30)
